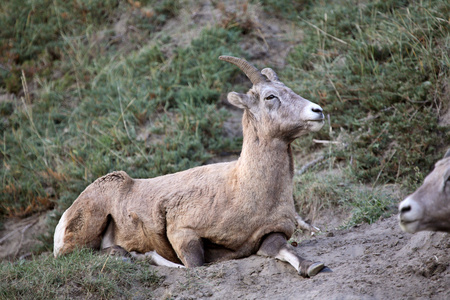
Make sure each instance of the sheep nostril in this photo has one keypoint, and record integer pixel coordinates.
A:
(405, 209)
(317, 110)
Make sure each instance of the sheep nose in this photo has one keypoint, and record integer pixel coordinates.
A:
(405, 209)
(317, 110)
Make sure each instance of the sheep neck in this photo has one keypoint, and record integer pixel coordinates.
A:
(265, 160)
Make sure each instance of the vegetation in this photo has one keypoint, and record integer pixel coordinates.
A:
(315, 193)
(83, 274)
(382, 76)
(92, 86)
(96, 116)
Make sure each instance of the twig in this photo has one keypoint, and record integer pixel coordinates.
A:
(101, 271)
(382, 167)
(7, 236)
(327, 34)
(22, 234)
(14, 231)
(262, 36)
(326, 142)
(335, 89)
(381, 133)
(310, 164)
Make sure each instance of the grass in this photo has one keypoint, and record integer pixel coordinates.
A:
(82, 274)
(382, 77)
(78, 128)
(316, 192)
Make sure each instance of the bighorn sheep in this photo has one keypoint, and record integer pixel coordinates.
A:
(428, 208)
(213, 212)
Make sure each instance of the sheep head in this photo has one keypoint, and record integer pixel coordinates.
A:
(273, 108)
(428, 208)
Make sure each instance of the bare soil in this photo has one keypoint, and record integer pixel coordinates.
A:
(375, 261)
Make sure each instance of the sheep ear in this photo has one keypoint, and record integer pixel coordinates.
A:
(239, 100)
(269, 73)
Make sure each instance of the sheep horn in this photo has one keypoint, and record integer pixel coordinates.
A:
(252, 73)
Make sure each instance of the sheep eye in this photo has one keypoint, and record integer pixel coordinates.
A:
(270, 97)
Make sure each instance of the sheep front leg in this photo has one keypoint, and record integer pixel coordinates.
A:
(275, 245)
(188, 246)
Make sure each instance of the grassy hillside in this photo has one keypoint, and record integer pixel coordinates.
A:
(90, 108)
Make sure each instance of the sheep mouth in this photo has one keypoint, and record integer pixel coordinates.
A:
(316, 122)
(407, 222)
(410, 226)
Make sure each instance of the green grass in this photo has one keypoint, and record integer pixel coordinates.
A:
(58, 141)
(316, 192)
(381, 75)
(82, 274)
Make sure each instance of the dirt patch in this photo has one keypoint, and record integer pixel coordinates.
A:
(368, 262)
(20, 236)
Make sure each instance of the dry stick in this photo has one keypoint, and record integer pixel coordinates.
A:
(101, 271)
(309, 165)
(23, 233)
(262, 36)
(335, 89)
(8, 235)
(327, 34)
(325, 142)
(122, 112)
(381, 133)
(12, 233)
(382, 168)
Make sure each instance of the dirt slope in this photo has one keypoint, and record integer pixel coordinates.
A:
(369, 262)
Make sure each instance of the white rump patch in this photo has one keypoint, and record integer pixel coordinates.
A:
(58, 240)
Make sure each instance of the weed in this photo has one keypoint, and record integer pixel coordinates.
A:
(368, 205)
(80, 274)
(81, 127)
(381, 76)
(315, 192)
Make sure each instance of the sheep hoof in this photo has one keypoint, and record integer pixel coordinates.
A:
(315, 268)
(310, 269)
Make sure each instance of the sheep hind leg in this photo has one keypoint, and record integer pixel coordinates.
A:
(275, 245)
(79, 227)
